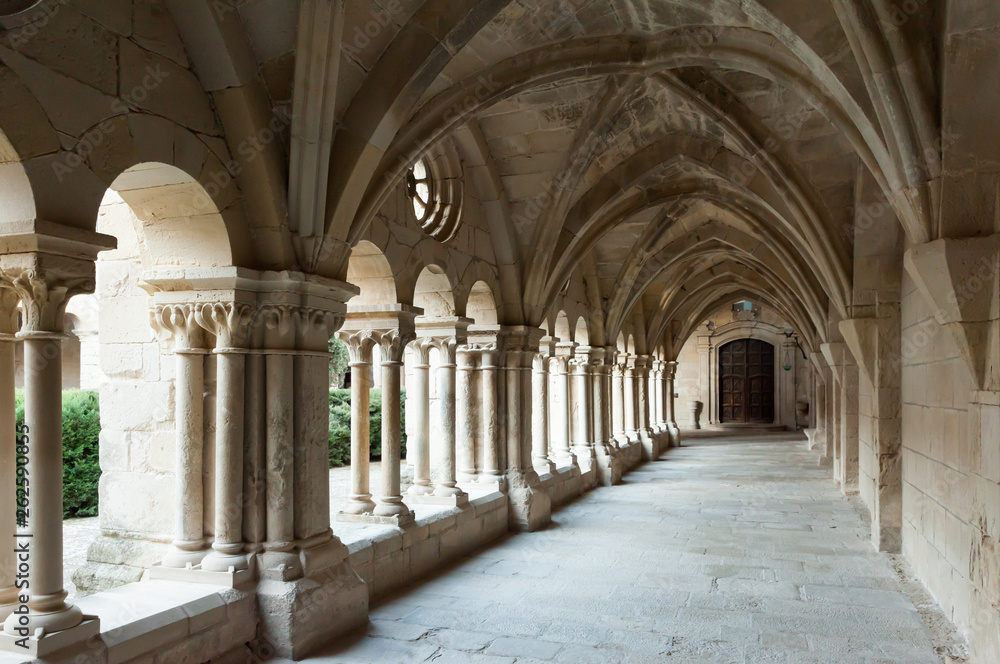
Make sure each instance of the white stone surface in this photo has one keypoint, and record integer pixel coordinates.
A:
(727, 550)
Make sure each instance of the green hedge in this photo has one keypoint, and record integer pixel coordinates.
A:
(81, 467)
(340, 426)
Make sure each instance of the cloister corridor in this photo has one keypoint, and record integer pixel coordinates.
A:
(741, 550)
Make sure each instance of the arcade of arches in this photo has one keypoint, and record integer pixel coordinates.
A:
(566, 228)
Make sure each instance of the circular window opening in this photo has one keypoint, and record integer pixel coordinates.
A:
(418, 186)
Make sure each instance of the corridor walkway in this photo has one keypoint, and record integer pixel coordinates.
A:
(729, 550)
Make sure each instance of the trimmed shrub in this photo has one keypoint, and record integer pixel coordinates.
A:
(81, 462)
(340, 426)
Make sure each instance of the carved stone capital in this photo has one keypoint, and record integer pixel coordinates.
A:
(44, 296)
(393, 344)
(179, 323)
(422, 349)
(360, 345)
(229, 323)
(9, 300)
(448, 349)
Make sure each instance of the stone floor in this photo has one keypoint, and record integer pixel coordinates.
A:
(735, 550)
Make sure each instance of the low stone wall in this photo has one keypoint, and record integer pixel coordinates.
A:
(564, 485)
(388, 558)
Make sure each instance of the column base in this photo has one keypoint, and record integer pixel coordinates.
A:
(587, 462)
(420, 490)
(609, 465)
(178, 558)
(543, 465)
(217, 561)
(230, 578)
(675, 435)
(397, 520)
(650, 450)
(530, 507)
(565, 460)
(491, 483)
(360, 504)
(41, 647)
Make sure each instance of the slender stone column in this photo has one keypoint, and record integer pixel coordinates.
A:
(606, 458)
(280, 455)
(228, 322)
(618, 403)
(540, 415)
(44, 298)
(671, 405)
(465, 408)
(445, 457)
(390, 503)
(178, 321)
(559, 410)
(419, 445)
(360, 346)
(255, 454)
(643, 406)
(631, 401)
(582, 425)
(492, 446)
(529, 505)
(654, 396)
(8, 453)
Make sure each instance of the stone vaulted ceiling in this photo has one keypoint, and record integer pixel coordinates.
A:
(672, 153)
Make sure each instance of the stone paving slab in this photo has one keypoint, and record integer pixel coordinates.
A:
(738, 550)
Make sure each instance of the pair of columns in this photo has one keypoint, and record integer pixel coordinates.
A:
(360, 344)
(188, 324)
(579, 408)
(467, 399)
(630, 400)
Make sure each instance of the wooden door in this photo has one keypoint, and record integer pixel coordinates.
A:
(746, 381)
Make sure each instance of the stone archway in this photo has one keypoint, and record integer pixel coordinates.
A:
(710, 344)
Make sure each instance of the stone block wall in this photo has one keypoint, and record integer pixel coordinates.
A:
(937, 484)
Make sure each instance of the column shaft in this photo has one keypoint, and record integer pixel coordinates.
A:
(446, 485)
(492, 451)
(43, 421)
(189, 513)
(631, 405)
(360, 501)
(390, 503)
(419, 447)
(540, 415)
(255, 454)
(618, 405)
(280, 453)
(230, 391)
(583, 435)
(465, 427)
(559, 406)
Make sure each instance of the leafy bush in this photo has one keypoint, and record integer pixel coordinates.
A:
(340, 426)
(81, 417)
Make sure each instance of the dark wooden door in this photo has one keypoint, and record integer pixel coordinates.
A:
(746, 381)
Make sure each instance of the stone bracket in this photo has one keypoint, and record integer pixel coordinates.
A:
(835, 355)
(861, 338)
(958, 279)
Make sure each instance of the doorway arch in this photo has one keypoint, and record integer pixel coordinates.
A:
(746, 382)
